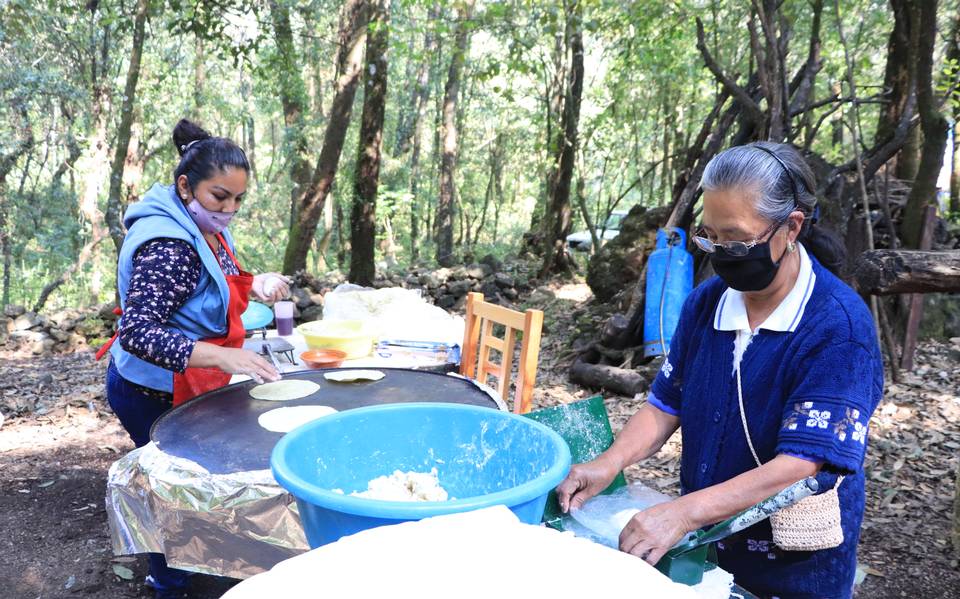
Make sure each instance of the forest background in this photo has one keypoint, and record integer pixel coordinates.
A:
(384, 134)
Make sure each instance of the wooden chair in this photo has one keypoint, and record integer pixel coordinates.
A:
(479, 340)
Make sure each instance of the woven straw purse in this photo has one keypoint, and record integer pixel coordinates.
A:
(810, 524)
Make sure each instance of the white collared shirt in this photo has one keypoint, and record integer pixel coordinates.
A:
(731, 314)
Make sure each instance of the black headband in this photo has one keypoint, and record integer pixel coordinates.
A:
(793, 184)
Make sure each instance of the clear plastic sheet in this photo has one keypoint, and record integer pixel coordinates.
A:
(603, 517)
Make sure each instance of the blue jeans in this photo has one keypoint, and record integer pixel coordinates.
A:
(137, 412)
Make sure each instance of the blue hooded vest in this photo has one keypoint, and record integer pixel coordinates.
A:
(161, 214)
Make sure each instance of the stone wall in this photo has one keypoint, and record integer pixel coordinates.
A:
(63, 331)
(444, 287)
(67, 331)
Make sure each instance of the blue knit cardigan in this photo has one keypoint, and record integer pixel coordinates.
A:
(808, 393)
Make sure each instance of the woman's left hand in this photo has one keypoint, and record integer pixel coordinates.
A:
(655, 530)
(270, 286)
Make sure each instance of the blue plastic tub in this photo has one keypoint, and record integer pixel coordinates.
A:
(483, 457)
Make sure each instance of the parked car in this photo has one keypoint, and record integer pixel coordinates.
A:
(581, 240)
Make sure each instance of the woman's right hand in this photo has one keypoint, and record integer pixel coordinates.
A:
(246, 362)
(586, 480)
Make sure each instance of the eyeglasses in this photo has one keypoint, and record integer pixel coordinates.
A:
(733, 248)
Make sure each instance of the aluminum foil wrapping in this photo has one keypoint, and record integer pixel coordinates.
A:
(234, 525)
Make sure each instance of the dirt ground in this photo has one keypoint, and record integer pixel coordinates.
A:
(53, 470)
(55, 454)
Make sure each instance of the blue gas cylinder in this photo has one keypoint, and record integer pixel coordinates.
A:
(669, 281)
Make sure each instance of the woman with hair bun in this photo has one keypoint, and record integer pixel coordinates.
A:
(182, 292)
(772, 376)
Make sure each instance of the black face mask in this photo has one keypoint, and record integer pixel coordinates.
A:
(752, 272)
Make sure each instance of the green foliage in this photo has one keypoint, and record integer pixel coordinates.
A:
(646, 94)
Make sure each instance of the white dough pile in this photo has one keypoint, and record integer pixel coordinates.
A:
(405, 486)
(284, 420)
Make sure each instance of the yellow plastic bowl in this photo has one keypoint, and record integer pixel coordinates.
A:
(351, 336)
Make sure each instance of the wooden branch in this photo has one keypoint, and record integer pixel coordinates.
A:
(747, 103)
(765, 24)
(882, 151)
(800, 102)
(688, 194)
(83, 258)
(886, 272)
(836, 98)
(915, 314)
(758, 54)
(886, 334)
(616, 380)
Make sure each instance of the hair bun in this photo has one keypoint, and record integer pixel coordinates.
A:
(185, 133)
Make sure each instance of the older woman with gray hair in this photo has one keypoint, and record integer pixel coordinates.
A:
(772, 376)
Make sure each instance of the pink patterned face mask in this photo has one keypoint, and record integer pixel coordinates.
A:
(208, 221)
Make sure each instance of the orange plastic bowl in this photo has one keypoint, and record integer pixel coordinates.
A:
(323, 358)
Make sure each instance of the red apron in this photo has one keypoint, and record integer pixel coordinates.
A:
(195, 381)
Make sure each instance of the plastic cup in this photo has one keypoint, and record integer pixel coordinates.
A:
(283, 314)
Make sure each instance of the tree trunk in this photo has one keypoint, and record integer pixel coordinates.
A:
(554, 87)
(449, 136)
(363, 216)
(424, 77)
(293, 100)
(121, 150)
(308, 205)
(96, 159)
(955, 167)
(199, 71)
(464, 224)
(135, 162)
(323, 246)
(770, 58)
(806, 80)
(908, 160)
(5, 249)
(898, 85)
(885, 272)
(585, 213)
(343, 242)
(409, 122)
(415, 240)
(24, 143)
(953, 57)
(493, 182)
(933, 124)
(557, 217)
(249, 124)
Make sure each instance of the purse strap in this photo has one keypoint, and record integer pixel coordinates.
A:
(743, 419)
(746, 430)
